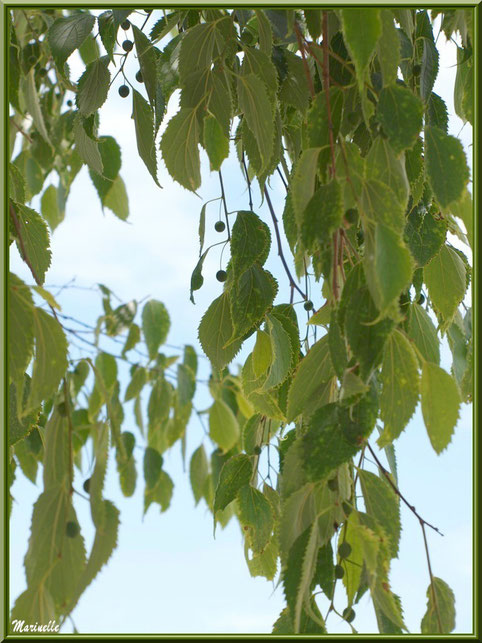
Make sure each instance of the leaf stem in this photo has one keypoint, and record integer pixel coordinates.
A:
(223, 197)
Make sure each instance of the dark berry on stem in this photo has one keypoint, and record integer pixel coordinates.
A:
(219, 226)
(221, 275)
(127, 45)
(72, 529)
(349, 614)
(139, 77)
(339, 571)
(126, 25)
(124, 91)
(344, 550)
(86, 485)
(308, 305)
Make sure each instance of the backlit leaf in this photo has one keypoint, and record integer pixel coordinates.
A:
(155, 325)
(235, 473)
(223, 425)
(440, 405)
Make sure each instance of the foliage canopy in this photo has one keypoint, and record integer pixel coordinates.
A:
(340, 104)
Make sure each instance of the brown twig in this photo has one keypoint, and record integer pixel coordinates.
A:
(12, 120)
(398, 492)
(223, 197)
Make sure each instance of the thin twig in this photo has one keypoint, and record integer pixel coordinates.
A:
(12, 120)
(326, 87)
(398, 492)
(293, 283)
(437, 610)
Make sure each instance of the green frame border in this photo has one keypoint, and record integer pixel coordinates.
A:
(282, 4)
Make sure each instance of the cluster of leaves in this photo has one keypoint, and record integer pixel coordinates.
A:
(341, 104)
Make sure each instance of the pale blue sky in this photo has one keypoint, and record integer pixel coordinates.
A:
(168, 574)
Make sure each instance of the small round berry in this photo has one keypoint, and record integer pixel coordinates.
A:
(72, 529)
(221, 275)
(86, 485)
(421, 299)
(69, 103)
(148, 10)
(347, 509)
(42, 72)
(344, 550)
(339, 571)
(351, 215)
(124, 91)
(127, 45)
(219, 226)
(308, 305)
(139, 77)
(126, 25)
(333, 484)
(349, 614)
(62, 409)
(257, 450)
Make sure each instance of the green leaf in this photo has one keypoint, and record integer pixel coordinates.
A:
(92, 87)
(430, 55)
(400, 112)
(313, 372)
(160, 494)
(186, 384)
(294, 89)
(133, 338)
(262, 353)
(323, 214)
(179, 147)
(445, 279)
(400, 386)
(35, 238)
(255, 104)
(87, 147)
(197, 47)
(317, 131)
(365, 338)
(198, 473)
(33, 106)
(422, 332)
(379, 204)
(236, 473)
(34, 606)
(463, 210)
(110, 153)
(383, 165)
(215, 331)
(155, 325)
(50, 361)
(105, 542)
(388, 48)
(303, 182)
(197, 279)
(146, 55)
(250, 241)
(382, 503)
(361, 43)
(437, 112)
(49, 207)
(108, 32)
(299, 573)
(144, 121)
(19, 428)
(159, 403)
(440, 405)
(215, 143)
(223, 425)
(16, 184)
(281, 350)
(20, 327)
(337, 345)
(89, 50)
(255, 517)
(258, 63)
(446, 165)
(264, 32)
(250, 297)
(424, 235)
(117, 200)
(464, 86)
(152, 467)
(66, 34)
(440, 614)
(388, 265)
(265, 563)
(325, 445)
